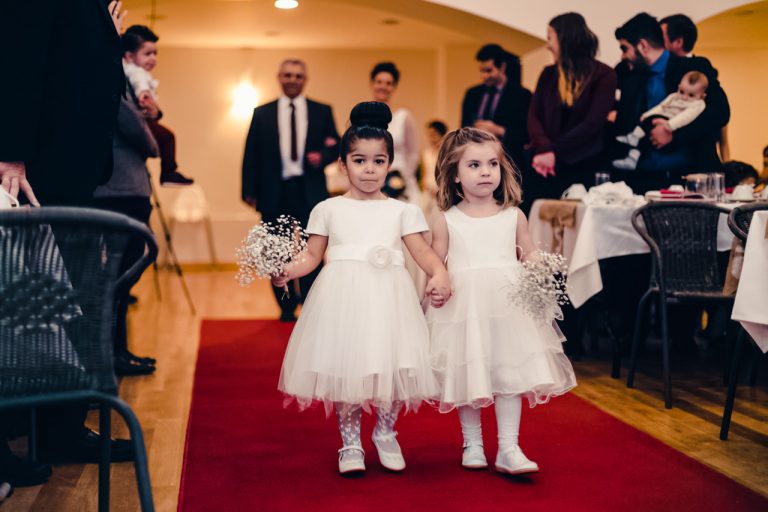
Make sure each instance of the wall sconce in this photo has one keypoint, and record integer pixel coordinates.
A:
(245, 98)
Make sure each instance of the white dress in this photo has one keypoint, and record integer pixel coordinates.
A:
(481, 344)
(361, 338)
(406, 159)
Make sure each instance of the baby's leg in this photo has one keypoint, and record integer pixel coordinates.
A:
(384, 438)
(510, 458)
(473, 456)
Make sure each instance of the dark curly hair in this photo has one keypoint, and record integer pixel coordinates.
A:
(386, 67)
(368, 120)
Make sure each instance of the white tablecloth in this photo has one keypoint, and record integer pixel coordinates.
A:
(751, 305)
(600, 232)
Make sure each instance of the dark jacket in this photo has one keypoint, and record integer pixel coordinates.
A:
(576, 133)
(510, 113)
(262, 163)
(699, 139)
(59, 94)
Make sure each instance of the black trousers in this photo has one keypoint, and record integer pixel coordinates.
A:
(140, 209)
(293, 203)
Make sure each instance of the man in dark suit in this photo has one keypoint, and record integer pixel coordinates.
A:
(59, 97)
(290, 142)
(655, 74)
(500, 104)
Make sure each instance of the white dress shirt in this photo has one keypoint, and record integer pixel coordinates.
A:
(292, 169)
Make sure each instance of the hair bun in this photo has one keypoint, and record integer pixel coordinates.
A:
(371, 113)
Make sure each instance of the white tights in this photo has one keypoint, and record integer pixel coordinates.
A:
(508, 411)
(349, 423)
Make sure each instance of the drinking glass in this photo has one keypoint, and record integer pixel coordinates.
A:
(716, 185)
(696, 184)
(602, 177)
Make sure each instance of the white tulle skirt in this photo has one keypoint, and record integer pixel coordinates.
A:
(483, 346)
(361, 340)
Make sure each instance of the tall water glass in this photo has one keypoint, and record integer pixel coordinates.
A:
(602, 177)
(716, 186)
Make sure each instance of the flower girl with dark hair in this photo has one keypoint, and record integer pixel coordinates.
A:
(486, 348)
(361, 341)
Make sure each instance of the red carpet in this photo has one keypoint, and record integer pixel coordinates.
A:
(245, 452)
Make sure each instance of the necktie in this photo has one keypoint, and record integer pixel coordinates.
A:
(294, 144)
(488, 99)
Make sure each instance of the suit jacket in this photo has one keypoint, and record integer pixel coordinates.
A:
(575, 134)
(699, 139)
(60, 94)
(511, 113)
(262, 163)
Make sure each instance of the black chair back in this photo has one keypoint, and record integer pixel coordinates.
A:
(59, 272)
(682, 236)
(740, 218)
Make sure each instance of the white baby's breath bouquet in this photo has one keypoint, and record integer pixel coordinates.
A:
(540, 289)
(268, 248)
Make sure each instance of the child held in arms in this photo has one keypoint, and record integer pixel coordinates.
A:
(139, 59)
(677, 110)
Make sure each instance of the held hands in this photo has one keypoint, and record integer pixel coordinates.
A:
(490, 126)
(544, 164)
(661, 134)
(439, 289)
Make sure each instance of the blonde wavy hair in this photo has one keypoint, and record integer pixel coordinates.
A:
(449, 193)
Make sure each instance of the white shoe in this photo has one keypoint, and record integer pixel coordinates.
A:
(513, 461)
(393, 460)
(474, 457)
(629, 163)
(351, 460)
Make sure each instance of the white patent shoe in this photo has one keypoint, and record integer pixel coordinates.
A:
(392, 460)
(513, 461)
(474, 457)
(351, 460)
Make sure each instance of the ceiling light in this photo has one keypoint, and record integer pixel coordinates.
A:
(286, 4)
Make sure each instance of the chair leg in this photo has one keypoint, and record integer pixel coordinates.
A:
(105, 432)
(733, 382)
(140, 454)
(665, 352)
(636, 338)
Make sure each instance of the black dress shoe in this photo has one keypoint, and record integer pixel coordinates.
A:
(126, 366)
(83, 448)
(21, 472)
(134, 357)
(132, 299)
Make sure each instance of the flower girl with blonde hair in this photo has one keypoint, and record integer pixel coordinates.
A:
(485, 349)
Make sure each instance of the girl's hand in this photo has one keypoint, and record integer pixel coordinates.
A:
(282, 280)
(437, 300)
(440, 283)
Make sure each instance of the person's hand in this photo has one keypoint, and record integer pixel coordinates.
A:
(440, 284)
(145, 97)
(149, 108)
(282, 280)
(13, 178)
(661, 134)
(315, 158)
(490, 126)
(436, 299)
(544, 164)
(250, 201)
(117, 14)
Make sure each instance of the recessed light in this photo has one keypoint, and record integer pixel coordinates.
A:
(286, 4)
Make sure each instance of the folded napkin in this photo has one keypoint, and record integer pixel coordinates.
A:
(560, 215)
(612, 193)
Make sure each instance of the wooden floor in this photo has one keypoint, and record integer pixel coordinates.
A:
(164, 328)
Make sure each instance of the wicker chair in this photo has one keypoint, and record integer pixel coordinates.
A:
(58, 278)
(738, 220)
(683, 241)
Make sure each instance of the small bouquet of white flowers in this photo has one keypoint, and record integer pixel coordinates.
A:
(268, 248)
(540, 290)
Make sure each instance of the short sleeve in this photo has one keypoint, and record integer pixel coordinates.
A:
(318, 221)
(413, 220)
